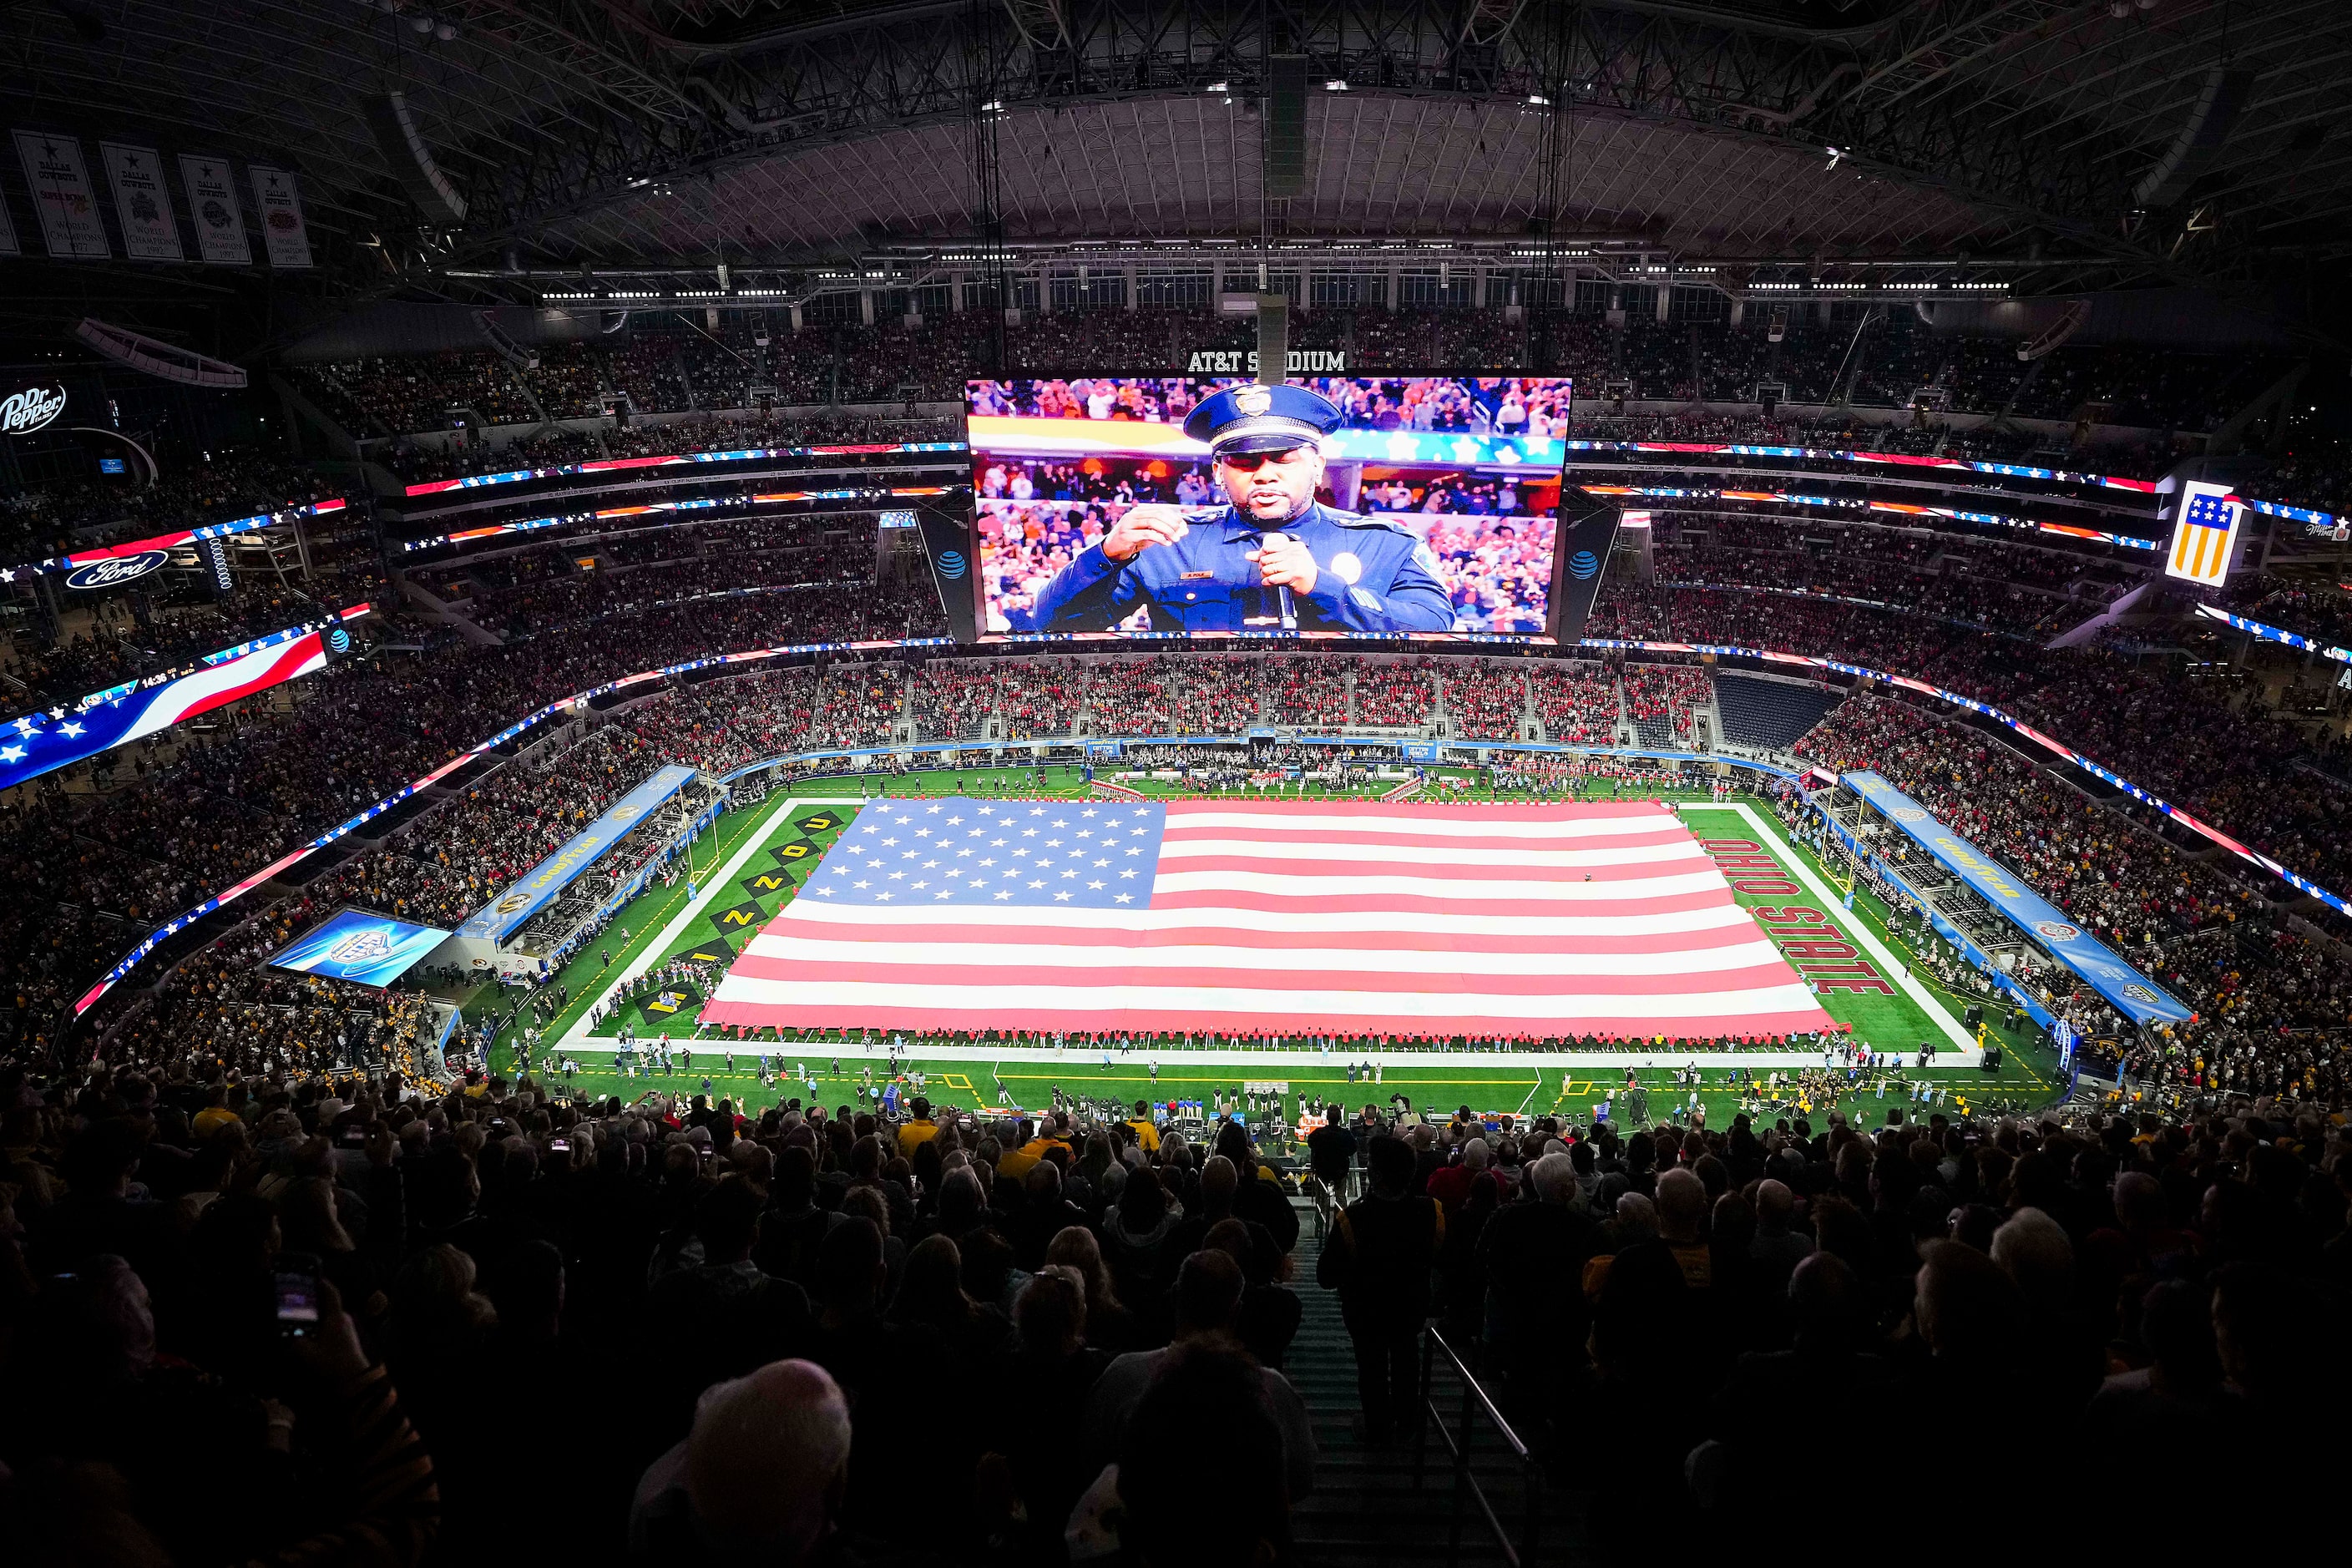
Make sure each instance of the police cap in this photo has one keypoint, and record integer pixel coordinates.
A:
(1255, 419)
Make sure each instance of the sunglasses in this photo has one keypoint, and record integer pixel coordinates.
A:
(1250, 462)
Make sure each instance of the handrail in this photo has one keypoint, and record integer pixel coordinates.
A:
(1518, 1555)
(1463, 1371)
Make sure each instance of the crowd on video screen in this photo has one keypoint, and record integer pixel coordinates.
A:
(1490, 530)
(1486, 405)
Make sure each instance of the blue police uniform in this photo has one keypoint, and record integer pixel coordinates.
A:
(1371, 575)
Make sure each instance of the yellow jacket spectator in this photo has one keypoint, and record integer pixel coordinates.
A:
(918, 1131)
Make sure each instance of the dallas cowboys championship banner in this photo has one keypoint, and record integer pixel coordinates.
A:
(283, 233)
(59, 181)
(212, 201)
(142, 204)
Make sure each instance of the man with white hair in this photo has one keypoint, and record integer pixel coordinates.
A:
(762, 1473)
(1534, 1256)
(1451, 1184)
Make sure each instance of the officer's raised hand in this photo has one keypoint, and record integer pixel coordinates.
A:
(1285, 562)
(1151, 523)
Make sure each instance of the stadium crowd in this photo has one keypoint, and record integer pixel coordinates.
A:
(818, 1275)
(2274, 1003)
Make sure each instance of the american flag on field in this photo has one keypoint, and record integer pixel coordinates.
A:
(1535, 921)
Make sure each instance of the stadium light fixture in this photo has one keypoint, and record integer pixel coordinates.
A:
(1337, 84)
(1835, 153)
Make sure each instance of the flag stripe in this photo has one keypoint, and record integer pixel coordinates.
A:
(1011, 1001)
(1545, 933)
(1117, 915)
(1579, 992)
(1082, 963)
(1429, 859)
(1465, 888)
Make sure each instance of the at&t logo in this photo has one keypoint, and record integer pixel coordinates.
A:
(1583, 564)
(951, 564)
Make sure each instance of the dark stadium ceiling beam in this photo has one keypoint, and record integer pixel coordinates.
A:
(776, 90)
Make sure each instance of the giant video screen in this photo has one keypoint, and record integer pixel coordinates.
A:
(1423, 505)
(359, 945)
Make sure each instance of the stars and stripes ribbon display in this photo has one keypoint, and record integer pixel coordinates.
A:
(1539, 921)
(42, 742)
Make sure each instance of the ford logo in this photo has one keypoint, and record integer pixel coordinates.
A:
(116, 570)
(1583, 564)
(952, 564)
(22, 412)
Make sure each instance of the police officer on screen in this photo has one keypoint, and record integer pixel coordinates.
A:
(1273, 558)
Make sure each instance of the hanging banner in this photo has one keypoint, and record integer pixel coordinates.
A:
(1588, 528)
(142, 204)
(8, 231)
(947, 540)
(283, 233)
(62, 195)
(220, 222)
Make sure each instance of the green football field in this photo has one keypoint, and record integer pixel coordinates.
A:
(753, 862)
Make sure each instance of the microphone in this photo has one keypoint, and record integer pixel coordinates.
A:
(1282, 591)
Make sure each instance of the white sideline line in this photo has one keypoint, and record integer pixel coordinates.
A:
(578, 1033)
(1858, 928)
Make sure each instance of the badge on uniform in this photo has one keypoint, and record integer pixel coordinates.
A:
(1197, 577)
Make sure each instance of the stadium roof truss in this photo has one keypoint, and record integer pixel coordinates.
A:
(809, 132)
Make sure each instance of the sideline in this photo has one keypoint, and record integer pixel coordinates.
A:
(659, 948)
(1858, 927)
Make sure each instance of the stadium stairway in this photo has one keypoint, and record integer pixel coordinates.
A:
(1366, 1507)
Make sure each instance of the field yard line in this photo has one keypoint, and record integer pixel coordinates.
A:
(659, 948)
(1894, 967)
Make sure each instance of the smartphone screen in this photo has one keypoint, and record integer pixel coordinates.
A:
(297, 1303)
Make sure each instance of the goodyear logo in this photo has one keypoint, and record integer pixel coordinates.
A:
(1994, 878)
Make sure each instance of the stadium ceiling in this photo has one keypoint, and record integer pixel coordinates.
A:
(594, 134)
